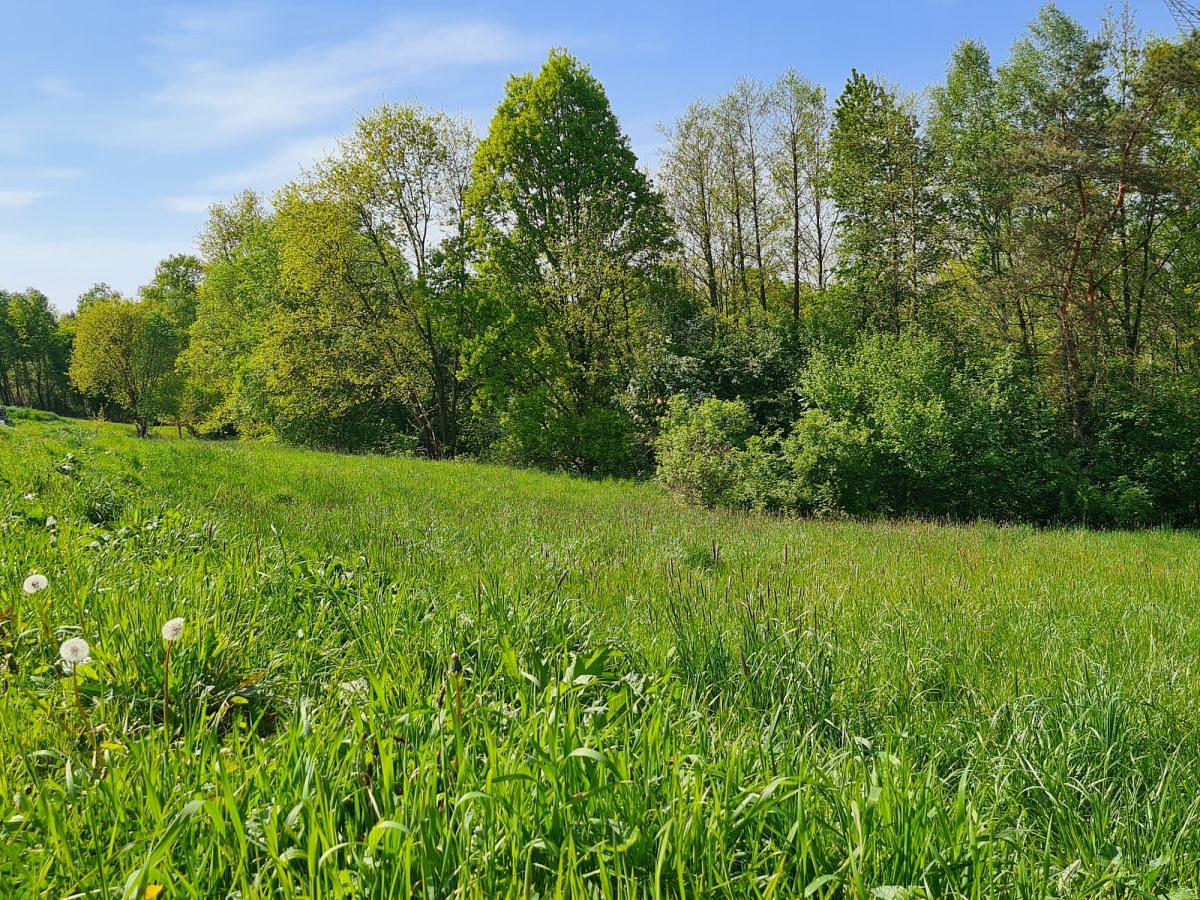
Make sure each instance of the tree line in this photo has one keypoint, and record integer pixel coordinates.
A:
(976, 302)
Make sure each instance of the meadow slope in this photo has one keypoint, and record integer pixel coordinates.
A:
(402, 678)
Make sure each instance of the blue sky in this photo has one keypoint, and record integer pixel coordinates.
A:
(121, 121)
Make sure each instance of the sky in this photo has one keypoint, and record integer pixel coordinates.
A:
(121, 122)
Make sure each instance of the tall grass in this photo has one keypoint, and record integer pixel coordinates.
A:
(400, 678)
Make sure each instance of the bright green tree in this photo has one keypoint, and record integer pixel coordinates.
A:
(176, 287)
(236, 300)
(890, 241)
(125, 352)
(573, 238)
(378, 302)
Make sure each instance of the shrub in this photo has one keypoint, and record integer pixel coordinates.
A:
(896, 427)
(700, 447)
(598, 441)
(1141, 463)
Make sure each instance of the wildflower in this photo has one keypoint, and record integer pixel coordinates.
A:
(153, 892)
(172, 630)
(35, 583)
(74, 651)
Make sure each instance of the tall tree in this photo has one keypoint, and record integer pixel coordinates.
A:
(743, 113)
(691, 188)
(973, 141)
(801, 177)
(236, 301)
(1101, 187)
(125, 351)
(891, 226)
(372, 250)
(573, 240)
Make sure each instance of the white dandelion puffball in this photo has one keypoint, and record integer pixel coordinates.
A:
(173, 630)
(74, 651)
(35, 583)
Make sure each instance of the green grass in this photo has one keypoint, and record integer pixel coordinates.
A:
(653, 700)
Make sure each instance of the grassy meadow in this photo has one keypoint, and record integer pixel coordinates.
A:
(399, 678)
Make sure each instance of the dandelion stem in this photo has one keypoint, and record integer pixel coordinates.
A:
(456, 680)
(166, 700)
(87, 723)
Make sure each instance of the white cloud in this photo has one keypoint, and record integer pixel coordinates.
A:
(12, 198)
(208, 101)
(265, 175)
(58, 88)
(230, 28)
(188, 203)
(64, 173)
(279, 167)
(64, 268)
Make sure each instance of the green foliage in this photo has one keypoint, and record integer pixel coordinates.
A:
(896, 427)
(700, 448)
(175, 288)
(101, 290)
(35, 348)
(240, 294)
(572, 238)
(1144, 465)
(125, 352)
(709, 453)
(883, 181)
(377, 310)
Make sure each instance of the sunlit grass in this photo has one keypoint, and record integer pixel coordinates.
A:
(647, 699)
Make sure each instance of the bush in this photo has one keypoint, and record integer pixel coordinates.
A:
(893, 427)
(1141, 462)
(900, 425)
(897, 428)
(599, 441)
(700, 447)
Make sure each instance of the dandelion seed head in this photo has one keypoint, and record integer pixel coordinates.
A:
(74, 651)
(35, 583)
(172, 630)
